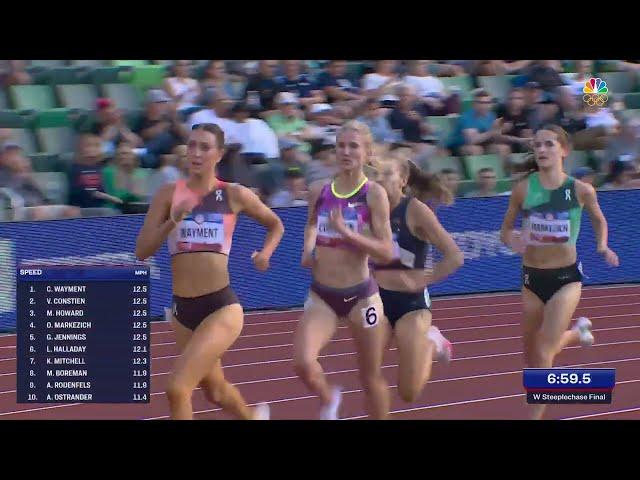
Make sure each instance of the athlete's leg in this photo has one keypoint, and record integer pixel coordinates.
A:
(208, 342)
(557, 317)
(415, 351)
(371, 331)
(219, 391)
(314, 331)
(533, 314)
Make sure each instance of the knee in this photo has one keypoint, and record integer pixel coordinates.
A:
(373, 381)
(304, 367)
(408, 392)
(178, 391)
(215, 392)
(543, 356)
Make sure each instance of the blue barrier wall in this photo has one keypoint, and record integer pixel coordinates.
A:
(474, 223)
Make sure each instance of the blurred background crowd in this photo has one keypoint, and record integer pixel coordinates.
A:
(94, 137)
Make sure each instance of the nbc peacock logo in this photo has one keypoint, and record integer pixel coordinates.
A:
(595, 92)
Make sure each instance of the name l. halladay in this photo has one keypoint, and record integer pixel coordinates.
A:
(67, 349)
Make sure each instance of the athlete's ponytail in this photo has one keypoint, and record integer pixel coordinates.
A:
(423, 184)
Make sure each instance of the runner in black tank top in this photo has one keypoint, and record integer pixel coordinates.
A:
(403, 282)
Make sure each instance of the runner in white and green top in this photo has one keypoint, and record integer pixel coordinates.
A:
(551, 204)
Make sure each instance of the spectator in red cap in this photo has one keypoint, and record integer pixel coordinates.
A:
(111, 127)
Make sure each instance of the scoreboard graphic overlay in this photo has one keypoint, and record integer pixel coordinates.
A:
(569, 385)
(83, 334)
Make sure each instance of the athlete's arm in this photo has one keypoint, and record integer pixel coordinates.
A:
(380, 246)
(508, 224)
(310, 230)
(426, 226)
(251, 205)
(587, 196)
(157, 224)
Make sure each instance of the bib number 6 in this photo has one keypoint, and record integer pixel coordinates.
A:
(370, 317)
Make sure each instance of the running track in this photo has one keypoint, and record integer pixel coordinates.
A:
(484, 381)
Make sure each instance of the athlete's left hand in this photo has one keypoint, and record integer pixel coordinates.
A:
(261, 261)
(336, 220)
(610, 257)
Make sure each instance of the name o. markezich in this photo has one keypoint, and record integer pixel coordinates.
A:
(71, 324)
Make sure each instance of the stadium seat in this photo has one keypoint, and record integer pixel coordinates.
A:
(32, 97)
(78, 96)
(632, 100)
(437, 164)
(497, 86)
(4, 101)
(57, 117)
(125, 95)
(102, 75)
(129, 63)
(473, 163)
(12, 119)
(57, 141)
(68, 75)
(54, 184)
(48, 63)
(24, 138)
(444, 126)
(148, 76)
(89, 63)
(42, 162)
(619, 82)
(463, 83)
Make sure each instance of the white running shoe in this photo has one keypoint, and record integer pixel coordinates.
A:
(330, 412)
(584, 325)
(262, 412)
(444, 349)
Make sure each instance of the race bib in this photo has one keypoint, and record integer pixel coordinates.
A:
(370, 316)
(198, 230)
(549, 228)
(324, 227)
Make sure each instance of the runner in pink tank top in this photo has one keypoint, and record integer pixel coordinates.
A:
(197, 217)
(348, 223)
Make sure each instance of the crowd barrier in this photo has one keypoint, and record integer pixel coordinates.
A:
(474, 223)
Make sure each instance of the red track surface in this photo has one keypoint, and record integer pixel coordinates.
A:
(484, 381)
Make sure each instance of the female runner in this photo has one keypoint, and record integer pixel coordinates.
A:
(348, 222)
(403, 283)
(551, 203)
(198, 216)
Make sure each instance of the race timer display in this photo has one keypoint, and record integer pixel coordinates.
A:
(83, 334)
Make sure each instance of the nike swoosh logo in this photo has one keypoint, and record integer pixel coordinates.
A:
(350, 298)
(354, 205)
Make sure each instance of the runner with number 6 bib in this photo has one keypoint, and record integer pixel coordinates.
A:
(348, 223)
(404, 282)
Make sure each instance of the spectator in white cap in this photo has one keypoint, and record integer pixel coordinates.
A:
(287, 122)
(217, 111)
(324, 122)
(160, 127)
(376, 119)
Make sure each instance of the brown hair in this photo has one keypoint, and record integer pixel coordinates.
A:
(213, 129)
(419, 182)
(530, 165)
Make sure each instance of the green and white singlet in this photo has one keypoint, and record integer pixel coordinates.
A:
(551, 217)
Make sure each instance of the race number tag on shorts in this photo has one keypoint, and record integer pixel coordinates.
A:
(427, 297)
(370, 316)
(198, 230)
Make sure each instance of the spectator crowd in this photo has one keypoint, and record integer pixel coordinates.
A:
(457, 119)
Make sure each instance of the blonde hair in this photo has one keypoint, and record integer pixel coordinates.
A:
(363, 130)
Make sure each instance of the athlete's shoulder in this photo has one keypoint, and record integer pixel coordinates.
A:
(318, 185)
(585, 191)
